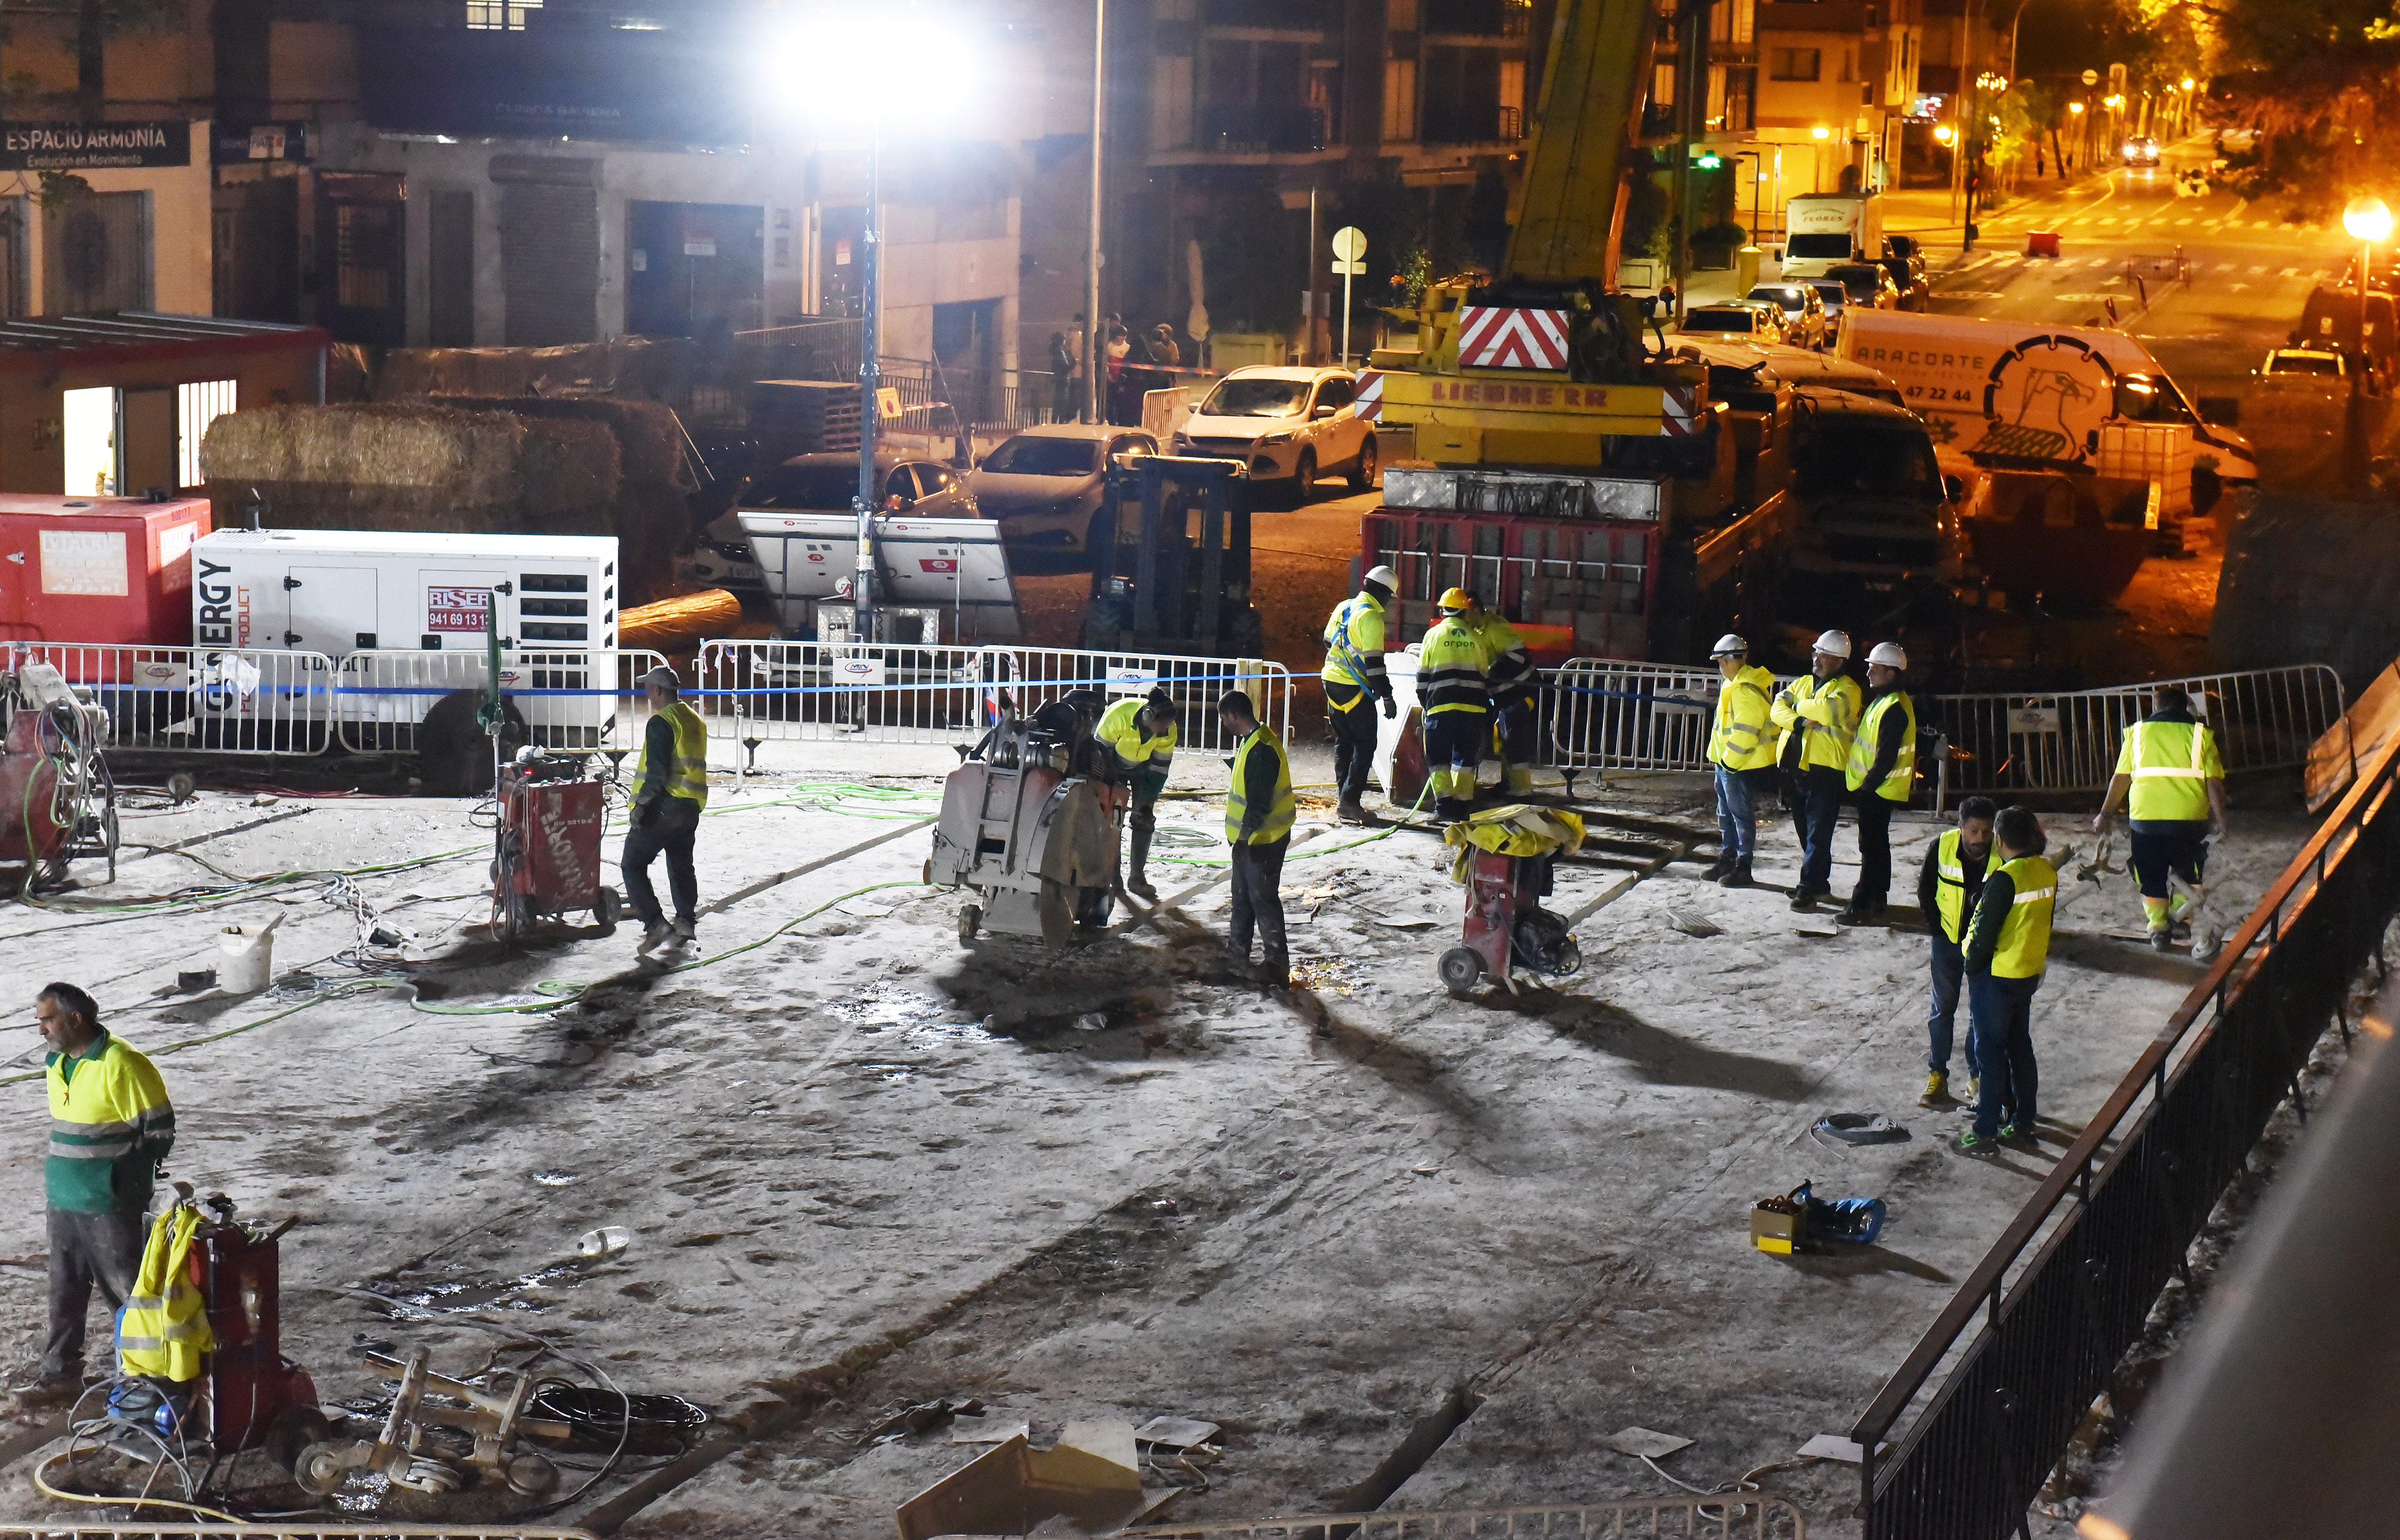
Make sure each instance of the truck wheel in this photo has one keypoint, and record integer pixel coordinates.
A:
(1460, 968)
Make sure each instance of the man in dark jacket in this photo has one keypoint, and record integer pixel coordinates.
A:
(1947, 890)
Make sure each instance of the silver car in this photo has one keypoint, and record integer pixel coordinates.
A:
(827, 483)
(1044, 485)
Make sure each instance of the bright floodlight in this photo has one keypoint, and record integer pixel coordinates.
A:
(1942, 132)
(2366, 219)
(2074, 106)
(899, 69)
(1821, 131)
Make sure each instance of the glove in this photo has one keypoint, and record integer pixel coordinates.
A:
(1391, 708)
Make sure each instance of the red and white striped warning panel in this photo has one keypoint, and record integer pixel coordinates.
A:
(1492, 337)
(1368, 404)
(1679, 410)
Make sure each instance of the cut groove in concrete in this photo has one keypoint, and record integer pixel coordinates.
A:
(1430, 1432)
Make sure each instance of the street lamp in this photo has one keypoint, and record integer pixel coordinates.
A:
(1942, 133)
(2369, 223)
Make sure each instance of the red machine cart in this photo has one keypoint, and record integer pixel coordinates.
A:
(546, 852)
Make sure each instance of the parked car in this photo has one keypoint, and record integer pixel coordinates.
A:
(1866, 285)
(2141, 150)
(1761, 322)
(1837, 299)
(2287, 362)
(1288, 425)
(824, 483)
(1904, 260)
(1044, 485)
(1804, 311)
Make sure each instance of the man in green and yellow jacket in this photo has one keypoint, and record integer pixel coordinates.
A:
(1880, 775)
(1743, 749)
(1258, 813)
(2172, 780)
(1947, 886)
(1819, 714)
(110, 1126)
(1140, 729)
(2008, 946)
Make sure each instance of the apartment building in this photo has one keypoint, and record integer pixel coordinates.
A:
(1840, 78)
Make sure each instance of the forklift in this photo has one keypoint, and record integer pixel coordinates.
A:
(1173, 575)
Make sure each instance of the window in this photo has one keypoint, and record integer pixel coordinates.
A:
(1334, 393)
(1745, 22)
(500, 15)
(1732, 23)
(1399, 99)
(1794, 63)
(1170, 103)
(1662, 86)
(197, 406)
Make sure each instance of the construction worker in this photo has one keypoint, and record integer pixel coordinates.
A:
(111, 1126)
(1819, 714)
(1354, 670)
(1258, 810)
(1952, 879)
(670, 789)
(1508, 674)
(1453, 686)
(1880, 775)
(1743, 755)
(1141, 730)
(2169, 764)
(2007, 946)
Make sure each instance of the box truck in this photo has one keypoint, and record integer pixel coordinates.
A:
(1824, 230)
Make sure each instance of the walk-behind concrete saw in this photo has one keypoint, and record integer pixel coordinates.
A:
(1029, 820)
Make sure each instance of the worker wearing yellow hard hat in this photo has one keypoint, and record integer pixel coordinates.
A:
(1508, 673)
(1452, 684)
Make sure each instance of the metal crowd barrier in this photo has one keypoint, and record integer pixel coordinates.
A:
(2033, 1334)
(1195, 682)
(1735, 1516)
(286, 1529)
(570, 699)
(201, 701)
(1608, 714)
(2264, 720)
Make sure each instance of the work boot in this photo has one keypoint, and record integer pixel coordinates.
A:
(655, 935)
(1975, 1090)
(1861, 914)
(1718, 868)
(686, 928)
(1738, 877)
(1138, 856)
(50, 1388)
(1803, 901)
(2162, 940)
(1351, 811)
(1937, 1089)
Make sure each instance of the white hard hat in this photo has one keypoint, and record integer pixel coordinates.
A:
(1728, 645)
(1888, 654)
(1385, 576)
(1834, 644)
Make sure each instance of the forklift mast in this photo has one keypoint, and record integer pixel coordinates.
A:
(1173, 575)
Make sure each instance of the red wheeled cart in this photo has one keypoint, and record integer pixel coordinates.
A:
(546, 854)
(1505, 856)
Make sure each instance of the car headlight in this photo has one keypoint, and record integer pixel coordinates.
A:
(1266, 438)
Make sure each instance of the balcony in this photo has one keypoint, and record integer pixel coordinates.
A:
(1472, 123)
(1247, 128)
(1478, 17)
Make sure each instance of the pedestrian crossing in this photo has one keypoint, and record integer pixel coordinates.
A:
(2157, 221)
(1993, 264)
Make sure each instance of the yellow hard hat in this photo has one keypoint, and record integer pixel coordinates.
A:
(1455, 600)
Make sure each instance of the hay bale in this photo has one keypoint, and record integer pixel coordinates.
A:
(645, 367)
(650, 441)
(568, 474)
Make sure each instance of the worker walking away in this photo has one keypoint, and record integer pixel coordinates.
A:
(1352, 672)
(1818, 715)
(111, 1126)
(1259, 809)
(1508, 674)
(2172, 781)
(1946, 889)
(1743, 754)
(670, 789)
(1880, 775)
(1453, 686)
(1142, 731)
(2008, 945)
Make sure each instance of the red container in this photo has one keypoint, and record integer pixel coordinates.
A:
(98, 569)
(2041, 243)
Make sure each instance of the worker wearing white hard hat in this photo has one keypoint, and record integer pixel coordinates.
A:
(1743, 753)
(1819, 714)
(1880, 775)
(1353, 672)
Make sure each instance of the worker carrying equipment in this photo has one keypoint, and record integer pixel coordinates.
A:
(1352, 672)
(1743, 757)
(2171, 779)
(1819, 714)
(1140, 731)
(1505, 856)
(1452, 684)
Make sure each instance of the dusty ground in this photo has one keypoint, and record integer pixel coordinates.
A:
(864, 1165)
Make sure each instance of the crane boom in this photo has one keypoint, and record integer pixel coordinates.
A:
(1572, 200)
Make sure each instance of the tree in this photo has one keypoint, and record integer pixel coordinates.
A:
(2320, 82)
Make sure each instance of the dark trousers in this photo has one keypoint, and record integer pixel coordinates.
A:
(1814, 812)
(1354, 738)
(2001, 1013)
(1516, 724)
(1941, 1021)
(1874, 851)
(2163, 847)
(673, 823)
(86, 1249)
(1258, 903)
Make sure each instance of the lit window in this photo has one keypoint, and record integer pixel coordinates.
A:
(500, 15)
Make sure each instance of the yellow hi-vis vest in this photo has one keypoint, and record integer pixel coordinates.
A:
(2024, 948)
(1451, 675)
(1897, 785)
(1739, 741)
(1950, 883)
(1353, 635)
(1280, 813)
(1121, 728)
(2171, 765)
(688, 777)
(163, 1329)
(1825, 713)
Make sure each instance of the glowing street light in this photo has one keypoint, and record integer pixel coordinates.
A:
(1942, 132)
(2076, 107)
(2369, 223)
(2369, 220)
(1821, 131)
(2186, 82)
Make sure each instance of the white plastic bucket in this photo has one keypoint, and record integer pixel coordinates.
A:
(249, 958)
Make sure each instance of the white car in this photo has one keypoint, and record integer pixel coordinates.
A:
(1286, 424)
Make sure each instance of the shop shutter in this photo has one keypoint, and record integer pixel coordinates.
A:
(549, 249)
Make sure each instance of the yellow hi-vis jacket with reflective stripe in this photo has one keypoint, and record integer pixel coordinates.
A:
(1950, 883)
(109, 1122)
(687, 774)
(1354, 649)
(2024, 946)
(1900, 782)
(1507, 665)
(164, 1326)
(2170, 764)
(1449, 669)
(1740, 740)
(1121, 728)
(1824, 712)
(1281, 808)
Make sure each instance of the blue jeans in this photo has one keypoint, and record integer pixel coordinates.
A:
(1949, 972)
(1736, 816)
(1822, 791)
(2000, 1011)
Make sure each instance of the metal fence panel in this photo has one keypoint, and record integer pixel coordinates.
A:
(311, 1528)
(1734, 1516)
(1195, 684)
(570, 699)
(880, 692)
(1606, 715)
(200, 701)
(2264, 720)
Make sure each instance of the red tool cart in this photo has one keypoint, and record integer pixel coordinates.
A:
(546, 855)
(1506, 857)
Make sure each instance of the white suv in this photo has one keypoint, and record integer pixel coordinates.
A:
(1286, 424)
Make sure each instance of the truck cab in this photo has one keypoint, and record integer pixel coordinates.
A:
(1870, 507)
